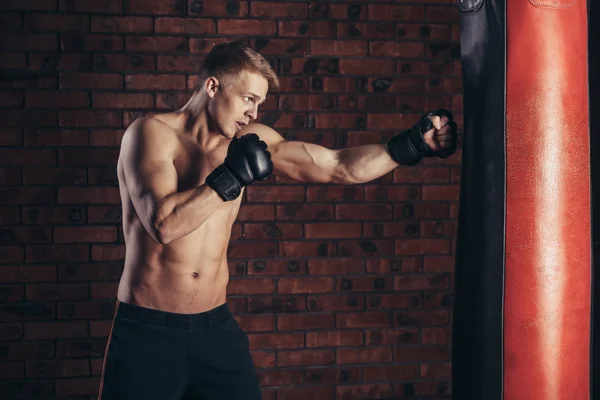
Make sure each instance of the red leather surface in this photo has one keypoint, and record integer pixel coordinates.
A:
(548, 222)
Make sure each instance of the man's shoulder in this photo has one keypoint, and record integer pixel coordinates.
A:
(150, 129)
(266, 133)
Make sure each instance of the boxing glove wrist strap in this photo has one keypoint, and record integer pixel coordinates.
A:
(224, 183)
(409, 148)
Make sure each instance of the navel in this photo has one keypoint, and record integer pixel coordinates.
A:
(195, 274)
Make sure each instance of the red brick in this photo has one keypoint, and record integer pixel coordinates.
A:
(334, 338)
(442, 14)
(355, 48)
(366, 30)
(332, 230)
(366, 67)
(90, 80)
(122, 100)
(86, 310)
(55, 137)
(289, 358)
(13, 60)
(124, 62)
(333, 193)
(28, 117)
(396, 300)
(196, 26)
(154, 7)
(27, 195)
(12, 370)
(439, 263)
(53, 215)
(251, 249)
(394, 336)
(99, 6)
(345, 11)
(217, 8)
(305, 322)
(89, 118)
(81, 348)
(436, 335)
(155, 82)
(295, 249)
(127, 24)
(367, 319)
(12, 293)
(106, 137)
(276, 340)
(421, 282)
(55, 330)
(23, 234)
(421, 318)
(336, 266)
(421, 353)
(277, 267)
(85, 234)
(10, 176)
(53, 175)
(436, 371)
(335, 303)
(305, 212)
(254, 27)
(28, 273)
(311, 29)
(281, 377)
(396, 12)
(104, 290)
(11, 254)
(365, 391)
(263, 193)
(308, 392)
(422, 246)
(362, 248)
(90, 42)
(278, 10)
(57, 368)
(19, 41)
(11, 99)
(256, 212)
(251, 286)
(91, 272)
(155, 44)
(364, 355)
(305, 285)
(281, 46)
(338, 121)
(279, 304)
(56, 22)
(77, 387)
(256, 323)
(187, 63)
(56, 253)
(263, 359)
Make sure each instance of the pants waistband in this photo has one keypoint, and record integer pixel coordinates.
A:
(173, 320)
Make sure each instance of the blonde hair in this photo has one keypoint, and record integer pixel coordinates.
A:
(226, 61)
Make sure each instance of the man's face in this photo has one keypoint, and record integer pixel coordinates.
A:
(237, 105)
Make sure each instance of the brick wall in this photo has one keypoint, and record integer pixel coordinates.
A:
(345, 292)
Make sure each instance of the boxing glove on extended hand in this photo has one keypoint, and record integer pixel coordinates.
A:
(409, 147)
(247, 161)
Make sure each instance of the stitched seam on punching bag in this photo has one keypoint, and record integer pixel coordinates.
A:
(551, 4)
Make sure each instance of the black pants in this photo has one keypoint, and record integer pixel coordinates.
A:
(159, 355)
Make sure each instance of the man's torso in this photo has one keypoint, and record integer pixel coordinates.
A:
(189, 274)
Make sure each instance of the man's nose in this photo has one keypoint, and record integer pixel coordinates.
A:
(253, 113)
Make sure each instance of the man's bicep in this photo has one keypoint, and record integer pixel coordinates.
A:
(149, 172)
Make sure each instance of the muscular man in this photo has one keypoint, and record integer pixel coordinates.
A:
(181, 178)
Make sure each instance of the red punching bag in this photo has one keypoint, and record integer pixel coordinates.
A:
(522, 317)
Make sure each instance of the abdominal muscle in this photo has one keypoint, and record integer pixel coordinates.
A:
(188, 275)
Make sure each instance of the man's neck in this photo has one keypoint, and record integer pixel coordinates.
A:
(197, 124)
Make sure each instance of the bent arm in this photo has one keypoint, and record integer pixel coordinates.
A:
(309, 162)
(146, 157)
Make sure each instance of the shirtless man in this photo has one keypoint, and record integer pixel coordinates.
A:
(181, 178)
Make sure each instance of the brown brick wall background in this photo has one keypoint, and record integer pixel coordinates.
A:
(345, 291)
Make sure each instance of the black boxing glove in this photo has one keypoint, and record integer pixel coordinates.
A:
(247, 161)
(409, 147)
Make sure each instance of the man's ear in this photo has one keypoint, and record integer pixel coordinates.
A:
(211, 85)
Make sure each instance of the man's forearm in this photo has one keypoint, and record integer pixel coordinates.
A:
(181, 213)
(360, 164)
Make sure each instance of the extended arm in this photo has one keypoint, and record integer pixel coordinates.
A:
(433, 135)
(146, 159)
(308, 162)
